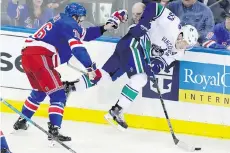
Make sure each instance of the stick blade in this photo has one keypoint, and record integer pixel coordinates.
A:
(187, 147)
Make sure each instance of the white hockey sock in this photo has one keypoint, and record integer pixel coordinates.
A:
(131, 90)
(128, 95)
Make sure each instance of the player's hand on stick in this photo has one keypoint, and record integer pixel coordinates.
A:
(93, 73)
(116, 18)
(155, 67)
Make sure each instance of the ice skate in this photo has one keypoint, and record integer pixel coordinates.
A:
(21, 124)
(54, 130)
(4, 150)
(116, 118)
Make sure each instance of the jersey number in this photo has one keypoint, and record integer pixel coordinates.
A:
(171, 16)
(41, 33)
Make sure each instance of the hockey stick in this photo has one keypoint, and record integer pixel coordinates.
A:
(177, 142)
(36, 125)
(15, 88)
(75, 68)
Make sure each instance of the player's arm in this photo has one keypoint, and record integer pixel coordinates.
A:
(113, 22)
(81, 54)
(92, 33)
(152, 11)
(211, 40)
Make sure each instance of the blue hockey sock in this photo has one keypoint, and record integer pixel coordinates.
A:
(32, 103)
(4, 144)
(56, 109)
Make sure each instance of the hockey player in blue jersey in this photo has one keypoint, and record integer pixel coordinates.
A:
(53, 44)
(145, 50)
(111, 69)
(4, 146)
(219, 38)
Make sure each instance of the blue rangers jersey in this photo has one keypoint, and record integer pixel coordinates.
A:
(219, 38)
(62, 37)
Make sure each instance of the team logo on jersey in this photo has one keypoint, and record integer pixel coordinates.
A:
(157, 50)
(210, 35)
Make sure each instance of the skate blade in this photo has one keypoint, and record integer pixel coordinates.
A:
(110, 120)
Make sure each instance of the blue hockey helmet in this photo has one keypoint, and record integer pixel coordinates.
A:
(74, 9)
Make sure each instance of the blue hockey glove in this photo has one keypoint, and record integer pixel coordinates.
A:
(94, 74)
(155, 66)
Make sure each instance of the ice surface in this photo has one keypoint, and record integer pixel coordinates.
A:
(96, 138)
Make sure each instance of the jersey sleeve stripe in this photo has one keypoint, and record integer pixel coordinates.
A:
(208, 43)
(75, 43)
(159, 10)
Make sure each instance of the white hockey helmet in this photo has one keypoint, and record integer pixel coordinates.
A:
(190, 34)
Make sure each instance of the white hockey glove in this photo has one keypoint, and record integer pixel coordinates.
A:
(117, 17)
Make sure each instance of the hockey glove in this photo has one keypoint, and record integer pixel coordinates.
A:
(69, 86)
(155, 66)
(117, 17)
(94, 74)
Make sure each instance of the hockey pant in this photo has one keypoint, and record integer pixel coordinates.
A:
(111, 70)
(132, 63)
(44, 80)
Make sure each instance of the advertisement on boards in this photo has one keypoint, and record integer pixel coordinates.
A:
(204, 83)
(168, 83)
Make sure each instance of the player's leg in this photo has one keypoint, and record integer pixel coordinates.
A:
(4, 146)
(33, 101)
(51, 84)
(110, 70)
(137, 80)
(113, 66)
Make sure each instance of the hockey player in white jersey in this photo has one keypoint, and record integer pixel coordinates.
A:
(148, 48)
(156, 41)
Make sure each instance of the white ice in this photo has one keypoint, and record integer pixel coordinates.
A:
(96, 138)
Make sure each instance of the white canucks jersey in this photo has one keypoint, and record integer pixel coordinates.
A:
(162, 35)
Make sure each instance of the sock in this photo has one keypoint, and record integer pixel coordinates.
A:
(56, 109)
(128, 95)
(32, 103)
(131, 90)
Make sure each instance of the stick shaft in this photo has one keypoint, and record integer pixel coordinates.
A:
(36, 125)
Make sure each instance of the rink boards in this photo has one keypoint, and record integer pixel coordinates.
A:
(196, 90)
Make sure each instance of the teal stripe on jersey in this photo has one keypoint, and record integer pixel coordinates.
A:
(136, 56)
(159, 10)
